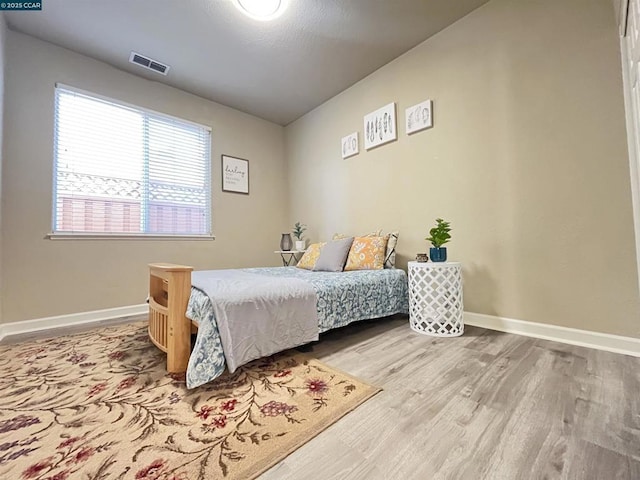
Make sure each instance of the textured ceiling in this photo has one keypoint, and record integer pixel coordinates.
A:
(276, 70)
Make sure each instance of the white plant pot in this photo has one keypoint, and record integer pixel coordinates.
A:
(301, 245)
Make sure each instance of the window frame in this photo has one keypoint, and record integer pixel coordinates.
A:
(54, 235)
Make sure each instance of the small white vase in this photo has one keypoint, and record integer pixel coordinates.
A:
(301, 244)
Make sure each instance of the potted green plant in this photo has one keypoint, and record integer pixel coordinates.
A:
(439, 235)
(298, 230)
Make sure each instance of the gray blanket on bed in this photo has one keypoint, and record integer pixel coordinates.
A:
(258, 316)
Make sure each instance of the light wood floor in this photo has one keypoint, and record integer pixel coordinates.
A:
(487, 405)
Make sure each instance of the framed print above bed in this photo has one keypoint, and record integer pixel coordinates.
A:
(419, 117)
(380, 126)
(235, 174)
(350, 145)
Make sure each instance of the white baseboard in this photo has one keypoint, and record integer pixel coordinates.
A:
(572, 336)
(74, 319)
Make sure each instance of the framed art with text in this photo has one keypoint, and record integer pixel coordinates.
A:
(235, 174)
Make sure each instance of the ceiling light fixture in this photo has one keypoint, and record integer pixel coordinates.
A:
(262, 10)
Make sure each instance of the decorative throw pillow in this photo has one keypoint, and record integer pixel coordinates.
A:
(367, 253)
(310, 256)
(390, 254)
(333, 255)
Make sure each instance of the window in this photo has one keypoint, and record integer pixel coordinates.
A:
(121, 170)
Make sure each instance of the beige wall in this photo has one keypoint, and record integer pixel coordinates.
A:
(3, 34)
(43, 277)
(527, 159)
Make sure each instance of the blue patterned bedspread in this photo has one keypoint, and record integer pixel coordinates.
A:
(343, 298)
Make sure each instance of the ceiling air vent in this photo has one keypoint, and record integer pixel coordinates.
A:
(148, 63)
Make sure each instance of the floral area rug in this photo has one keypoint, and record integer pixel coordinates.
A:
(100, 405)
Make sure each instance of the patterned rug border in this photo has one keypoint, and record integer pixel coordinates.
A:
(374, 390)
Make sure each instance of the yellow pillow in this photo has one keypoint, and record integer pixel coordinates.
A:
(390, 253)
(310, 257)
(367, 253)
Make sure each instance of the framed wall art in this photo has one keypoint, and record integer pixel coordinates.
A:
(380, 126)
(235, 174)
(350, 145)
(418, 117)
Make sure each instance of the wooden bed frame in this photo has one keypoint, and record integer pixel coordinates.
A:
(169, 328)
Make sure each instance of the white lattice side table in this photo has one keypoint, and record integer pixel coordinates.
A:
(435, 298)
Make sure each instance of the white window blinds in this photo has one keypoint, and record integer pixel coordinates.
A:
(122, 170)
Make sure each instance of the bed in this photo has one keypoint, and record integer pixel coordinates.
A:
(177, 309)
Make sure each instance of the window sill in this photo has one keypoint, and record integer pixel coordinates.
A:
(132, 236)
